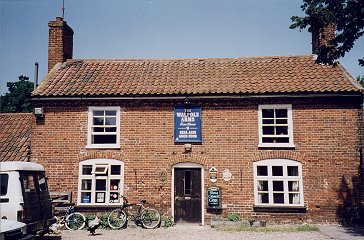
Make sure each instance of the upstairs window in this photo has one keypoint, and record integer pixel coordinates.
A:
(103, 127)
(275, 126)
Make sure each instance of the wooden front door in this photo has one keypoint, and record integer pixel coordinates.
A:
(187, 195)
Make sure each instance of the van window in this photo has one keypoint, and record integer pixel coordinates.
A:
(4, 184)
(42, 182)
(28, 183)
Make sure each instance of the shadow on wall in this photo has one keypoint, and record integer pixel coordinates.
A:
(351, 210)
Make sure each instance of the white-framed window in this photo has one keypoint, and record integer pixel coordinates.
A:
(278, 182)
(103, 127)
(100, 182)
(275, 125)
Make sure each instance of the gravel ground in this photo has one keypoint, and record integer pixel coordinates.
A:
(183, 232)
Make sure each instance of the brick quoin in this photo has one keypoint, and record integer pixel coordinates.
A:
(327, 137)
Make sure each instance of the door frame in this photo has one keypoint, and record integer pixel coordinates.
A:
(190, 165)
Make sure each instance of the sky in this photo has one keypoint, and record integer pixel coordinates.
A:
(143, 29)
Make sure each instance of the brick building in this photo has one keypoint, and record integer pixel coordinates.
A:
(273, 138)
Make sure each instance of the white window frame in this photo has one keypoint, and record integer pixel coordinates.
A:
(290, 144)
(285, 178)
(100, 175)
(90, 125)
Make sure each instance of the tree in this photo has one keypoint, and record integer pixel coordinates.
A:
(347, 15)
(18, 97)
(360, 80)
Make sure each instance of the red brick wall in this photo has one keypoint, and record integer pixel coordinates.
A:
(60, 42)
(325, 136)
(323, 36)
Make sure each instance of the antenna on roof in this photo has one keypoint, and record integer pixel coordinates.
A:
(63, 9)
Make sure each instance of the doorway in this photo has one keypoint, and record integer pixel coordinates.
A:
(188, 193)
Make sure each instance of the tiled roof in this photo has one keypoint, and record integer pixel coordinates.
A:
(256, 75)
(15, 136)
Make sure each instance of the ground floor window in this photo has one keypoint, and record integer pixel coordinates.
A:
(278, 182)
(100, 182)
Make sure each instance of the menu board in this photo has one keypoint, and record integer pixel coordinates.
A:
(214, 198)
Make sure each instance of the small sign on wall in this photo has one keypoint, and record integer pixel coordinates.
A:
(187, 124)
(214, 198)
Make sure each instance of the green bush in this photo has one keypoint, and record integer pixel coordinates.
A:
(168, 222)
(233, 217)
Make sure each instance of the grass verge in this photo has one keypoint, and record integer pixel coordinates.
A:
(272, 228)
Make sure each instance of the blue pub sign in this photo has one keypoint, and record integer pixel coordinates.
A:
(187, 124)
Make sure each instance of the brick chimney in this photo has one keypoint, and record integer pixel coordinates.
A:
(322, 36)
(60, 45)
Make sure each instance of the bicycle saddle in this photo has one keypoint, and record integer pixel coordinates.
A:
(143, 201)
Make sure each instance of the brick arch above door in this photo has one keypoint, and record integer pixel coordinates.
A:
(182, 158)
(93, 154)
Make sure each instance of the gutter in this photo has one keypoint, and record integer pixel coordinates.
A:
(196, 97)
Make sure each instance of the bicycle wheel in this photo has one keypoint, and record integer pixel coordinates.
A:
(75, 221)
(117, 219)
(150, 218)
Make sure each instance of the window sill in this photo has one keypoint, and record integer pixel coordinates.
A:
(280, 209)
(102, 147)
(272, 146)
(106, 206)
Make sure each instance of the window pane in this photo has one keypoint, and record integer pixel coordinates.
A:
(98, 129)
(278, 186)
(101, 169)
(100, 197)
(262, 171)
(114, 184)
(268, 130)
(268, 121)
(292, 170)
(42, 182)
(100, 184)
(104, 139)
(281, 121)
(277, 170)
(98, 121)
(281, 113)
(110, 129)
(268, 140)
(110, 121)
(86, 170)
(98, 113)
(281, 130)
(187, 182)
(114, 197)
(294, 198)
(281, 140)
(293, 186)
(263, 198)
(85, 197)
(4, 184)
(268, 113)
(86, 184)
(115, 170)
(278, 198)
(110, 113)
(262, 185)
(28, 183)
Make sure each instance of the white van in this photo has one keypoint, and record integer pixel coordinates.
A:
(24, 195)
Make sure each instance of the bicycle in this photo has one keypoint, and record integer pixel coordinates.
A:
(73, 220)
(146, 217)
